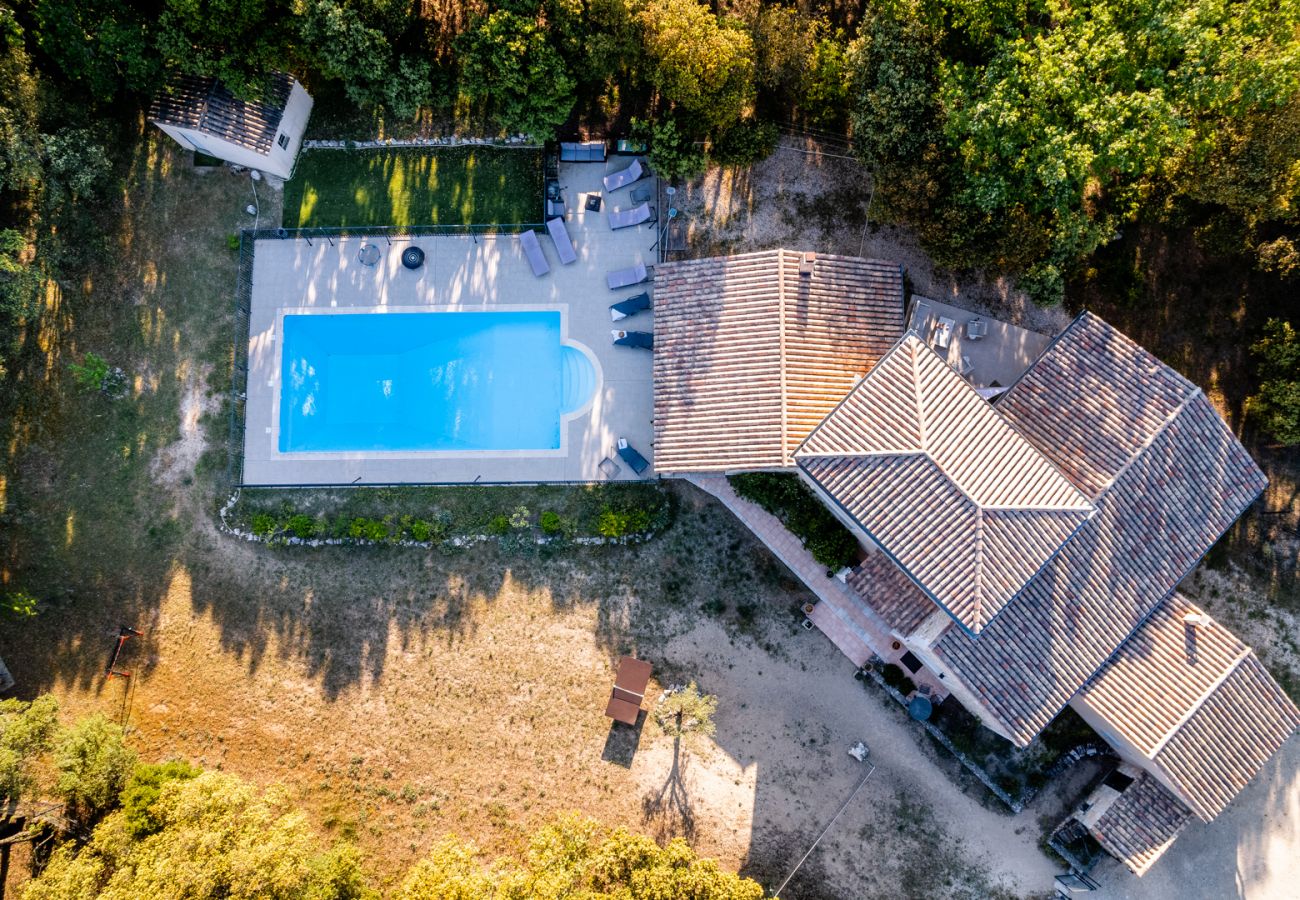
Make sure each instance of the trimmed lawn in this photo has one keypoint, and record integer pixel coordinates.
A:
(415, 186)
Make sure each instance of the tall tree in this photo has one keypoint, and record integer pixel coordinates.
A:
(699, 63)
(510, 65)
(241, 42)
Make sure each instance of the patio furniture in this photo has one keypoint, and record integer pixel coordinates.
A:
(943, 332)
(533, 251)
(593, 203)
(630, 306)
(368, 255)
(560, 237)
(621, 278)
(919, 321)
(629, 455)
(976, 329)
(642, 340)
(609, 468)
(412, 257)
(920, 708)
(966, 368)
(626, 218)
(616, 180)
(642, 195)
(629, 690)
(633, 148)
(582, 151)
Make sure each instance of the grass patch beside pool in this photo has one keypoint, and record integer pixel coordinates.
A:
(415, 186)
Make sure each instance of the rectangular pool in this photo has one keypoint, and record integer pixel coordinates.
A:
(450, 381)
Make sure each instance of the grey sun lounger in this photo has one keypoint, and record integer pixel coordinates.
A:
(563, 245)
(621, 278)
(640, 339)
(533, 250)
(626, 218)
(629, 307)
(616, 180)
(629, 455)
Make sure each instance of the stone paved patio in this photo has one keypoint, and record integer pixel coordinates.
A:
(461, 273)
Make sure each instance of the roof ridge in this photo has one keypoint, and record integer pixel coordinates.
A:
(1209, 692)
(920, 401)
(1147, 444)
(780, 315)
(978, 594)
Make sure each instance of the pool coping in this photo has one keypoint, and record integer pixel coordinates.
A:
(276, 385)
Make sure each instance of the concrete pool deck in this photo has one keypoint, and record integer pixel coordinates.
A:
(484, 272)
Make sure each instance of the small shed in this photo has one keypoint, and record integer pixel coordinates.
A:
(201, 114)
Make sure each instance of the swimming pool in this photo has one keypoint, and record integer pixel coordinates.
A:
(450, 381)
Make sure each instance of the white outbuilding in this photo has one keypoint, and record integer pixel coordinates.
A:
(201, 114)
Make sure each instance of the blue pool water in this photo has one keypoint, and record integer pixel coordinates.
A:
(428, 381)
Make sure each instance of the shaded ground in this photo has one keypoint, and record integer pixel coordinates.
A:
(443, 186)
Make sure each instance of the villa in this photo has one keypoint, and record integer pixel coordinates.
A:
(1027, 510)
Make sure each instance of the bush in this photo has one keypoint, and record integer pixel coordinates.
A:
(1275, 406)
(673, 154)
(499, 525)
(18, 604)
(745, 143)
(787, 498)
(368, 529)
(611, 524)
(142, 790)
(302, 526)
(91, 373)
(893, 675)
(94, 764)
(263, 525)
(420, 530)
(551, 522)
(232, 242)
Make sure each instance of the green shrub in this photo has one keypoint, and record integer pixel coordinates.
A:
(18, 604)
(368, 529)
(142, 790)
(301, 526)
(787, 498)
(521, 517)
(745, 143)
(263, 525)
(91, 372)
(420, 530)
(551, 522)
(499, 525)
(611, 523)
(232, 242)
(893, 675)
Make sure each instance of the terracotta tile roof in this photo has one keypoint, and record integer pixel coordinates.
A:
(883, 587)
(1158, 512)
(963, 504)
(750, 355)
(1197, 701)
(1141, 824)
(206, 105)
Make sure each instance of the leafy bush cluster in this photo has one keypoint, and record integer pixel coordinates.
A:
(391, 529)
(790, 500)
(1275, 407)
(897, 679)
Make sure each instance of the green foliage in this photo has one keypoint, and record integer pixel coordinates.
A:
(143, 790)
(240, 42)
(825, 100)
(499, 525)
(575, 857)
(212, 836)
(520, 517)
(551, 522)
(745, 143)
(18, 604)
(264, 525)
(787, 498)
(699, 63)
(897, 679)
(1275, 407)
(91, 373)
(94, 764)
(101, 45)
(674, 155)
(232, 242)
(77, 165)
(366, 529)
(302, 526)
(421, 530)
(511, 66)
(618, 523)
(27, 730)
(687, 713)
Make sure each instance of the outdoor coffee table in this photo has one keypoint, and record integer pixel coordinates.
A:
(593, 202)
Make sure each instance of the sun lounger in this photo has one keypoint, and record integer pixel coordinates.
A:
(621, 278)
(641, 339)
(616, 180)
(629, 690)
(629, 455)
(533, 250)
(560, 235)
(629, 307)
(626, 218)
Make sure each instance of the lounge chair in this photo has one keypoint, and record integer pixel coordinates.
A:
(533, 250)
(629, 455)
(629, 689)
(563, 245)
(642, 339)
(616, 180)
(626, 218)
(629, 307)
(621, 278)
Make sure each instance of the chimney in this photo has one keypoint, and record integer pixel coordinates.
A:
(1198, 620)
(806, 263)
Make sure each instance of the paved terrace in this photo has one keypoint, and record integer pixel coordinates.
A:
(997, 359)
(461, 273)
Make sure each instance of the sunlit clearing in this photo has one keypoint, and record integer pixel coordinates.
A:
(150, 277)
(47, 335)
(308, 205)
(137, 385)
(70, 528)
(4, 494)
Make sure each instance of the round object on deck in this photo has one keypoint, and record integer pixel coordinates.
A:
(413, 257)
(920, 708)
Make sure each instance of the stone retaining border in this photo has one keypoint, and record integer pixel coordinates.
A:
(517, 140)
